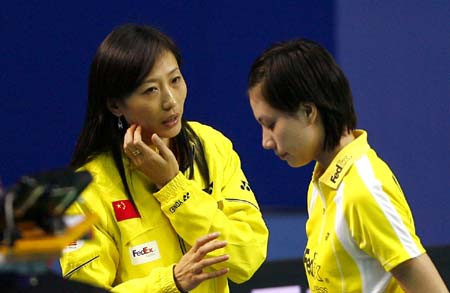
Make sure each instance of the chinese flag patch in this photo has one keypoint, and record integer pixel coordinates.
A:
(124, 210)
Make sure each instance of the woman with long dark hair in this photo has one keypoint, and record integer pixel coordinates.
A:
(160, 183)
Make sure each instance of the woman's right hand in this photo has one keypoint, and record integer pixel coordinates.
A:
(156, 161)
(188, 273)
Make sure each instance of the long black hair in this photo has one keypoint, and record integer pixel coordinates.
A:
(120, 66)
(297, 71)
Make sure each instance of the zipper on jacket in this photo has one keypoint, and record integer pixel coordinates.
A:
(182, 246)
(242, 200)
(69, 274)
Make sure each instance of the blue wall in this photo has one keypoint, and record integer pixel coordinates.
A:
(47, 49)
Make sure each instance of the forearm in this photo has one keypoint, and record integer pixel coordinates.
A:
(247, 238)
(239, 222)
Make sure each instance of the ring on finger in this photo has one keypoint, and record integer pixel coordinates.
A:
(136, 152)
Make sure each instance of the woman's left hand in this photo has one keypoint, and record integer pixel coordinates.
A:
(158, 164)
(190, 271)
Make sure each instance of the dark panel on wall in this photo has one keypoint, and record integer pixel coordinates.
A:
(396, 56)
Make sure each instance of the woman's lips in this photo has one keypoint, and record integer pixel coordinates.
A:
(171, 121)
(283, 156)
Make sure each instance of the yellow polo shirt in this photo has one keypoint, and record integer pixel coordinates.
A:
(360, 225)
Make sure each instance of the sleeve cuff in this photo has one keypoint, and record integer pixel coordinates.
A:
(168, 281)
(172, 189)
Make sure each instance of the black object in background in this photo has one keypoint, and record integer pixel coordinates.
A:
(40, 199)
(43, 198)
(47, 283)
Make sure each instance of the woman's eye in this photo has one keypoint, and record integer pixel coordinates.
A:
(176, 79)
(271, 126)
(150, 90)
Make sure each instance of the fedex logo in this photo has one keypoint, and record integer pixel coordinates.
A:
(336, 174)
(340, 165)
(144, 253)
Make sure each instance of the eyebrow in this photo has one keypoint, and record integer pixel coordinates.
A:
(155, 79)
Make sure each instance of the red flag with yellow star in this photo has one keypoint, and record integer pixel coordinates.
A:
(124, 210)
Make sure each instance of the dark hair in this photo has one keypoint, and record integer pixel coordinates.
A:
(120, 66)
(300, 71)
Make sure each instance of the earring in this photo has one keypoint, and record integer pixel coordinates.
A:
(119, 123)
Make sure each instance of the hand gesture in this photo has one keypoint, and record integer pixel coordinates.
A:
(188, 273)
(156, 161)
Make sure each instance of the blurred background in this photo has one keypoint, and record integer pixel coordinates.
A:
(394, 53)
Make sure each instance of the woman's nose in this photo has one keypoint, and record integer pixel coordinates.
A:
(169, 100)
(267, 141)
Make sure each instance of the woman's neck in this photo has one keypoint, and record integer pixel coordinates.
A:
(148, 141)
(326, 157)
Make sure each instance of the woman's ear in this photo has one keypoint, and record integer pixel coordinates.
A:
(114, 107)
(310, 111)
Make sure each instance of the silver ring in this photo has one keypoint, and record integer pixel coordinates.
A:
(136, 152)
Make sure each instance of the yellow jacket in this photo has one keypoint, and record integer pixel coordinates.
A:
(135, 250)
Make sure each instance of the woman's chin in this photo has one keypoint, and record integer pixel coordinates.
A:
(169, 133)
(296, 164)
